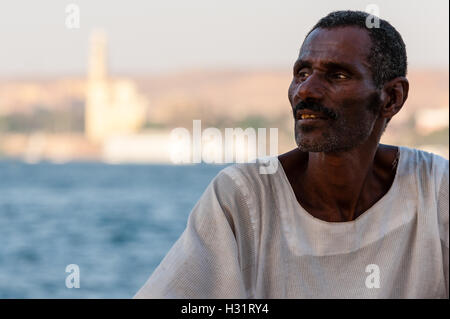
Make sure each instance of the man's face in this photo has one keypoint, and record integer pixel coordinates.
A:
(333, 82)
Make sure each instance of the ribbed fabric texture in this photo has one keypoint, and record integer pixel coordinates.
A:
(248, 237)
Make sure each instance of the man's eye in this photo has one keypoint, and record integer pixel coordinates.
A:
(340, 76)
(302, 74)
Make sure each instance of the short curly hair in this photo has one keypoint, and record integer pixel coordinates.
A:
(387, 57)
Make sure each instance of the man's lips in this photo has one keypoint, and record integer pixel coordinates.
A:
(307, 115)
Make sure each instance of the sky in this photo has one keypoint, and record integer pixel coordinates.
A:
(150, 36)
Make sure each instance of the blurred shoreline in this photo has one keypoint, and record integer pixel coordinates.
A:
(47, 118)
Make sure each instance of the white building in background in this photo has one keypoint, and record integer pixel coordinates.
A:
(113, 107)
(430, 120)
(146, 147)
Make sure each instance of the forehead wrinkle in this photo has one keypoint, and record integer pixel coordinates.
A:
(350, 36)
(326, 61)
(335, 45)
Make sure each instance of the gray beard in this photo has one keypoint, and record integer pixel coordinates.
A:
(345, 137)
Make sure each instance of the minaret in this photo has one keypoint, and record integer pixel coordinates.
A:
(97, 97)
(97, 57)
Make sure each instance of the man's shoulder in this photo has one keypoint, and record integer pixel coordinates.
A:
(427, 169)
(424, 161)
(250, 177)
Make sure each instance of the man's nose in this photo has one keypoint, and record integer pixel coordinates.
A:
(310, 89)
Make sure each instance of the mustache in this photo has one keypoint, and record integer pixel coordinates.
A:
(315, 107)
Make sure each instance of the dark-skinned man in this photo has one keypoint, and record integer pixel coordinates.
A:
(343, 216)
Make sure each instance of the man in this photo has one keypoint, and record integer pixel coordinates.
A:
(343, 216)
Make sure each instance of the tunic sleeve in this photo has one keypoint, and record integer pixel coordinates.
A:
(443, 218)
(204, 261)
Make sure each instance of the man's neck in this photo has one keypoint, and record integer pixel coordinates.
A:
(336, 181)
(340, 186)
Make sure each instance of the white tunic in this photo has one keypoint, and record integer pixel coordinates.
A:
(248, 237)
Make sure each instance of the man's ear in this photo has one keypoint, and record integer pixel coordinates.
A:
(394, 94)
